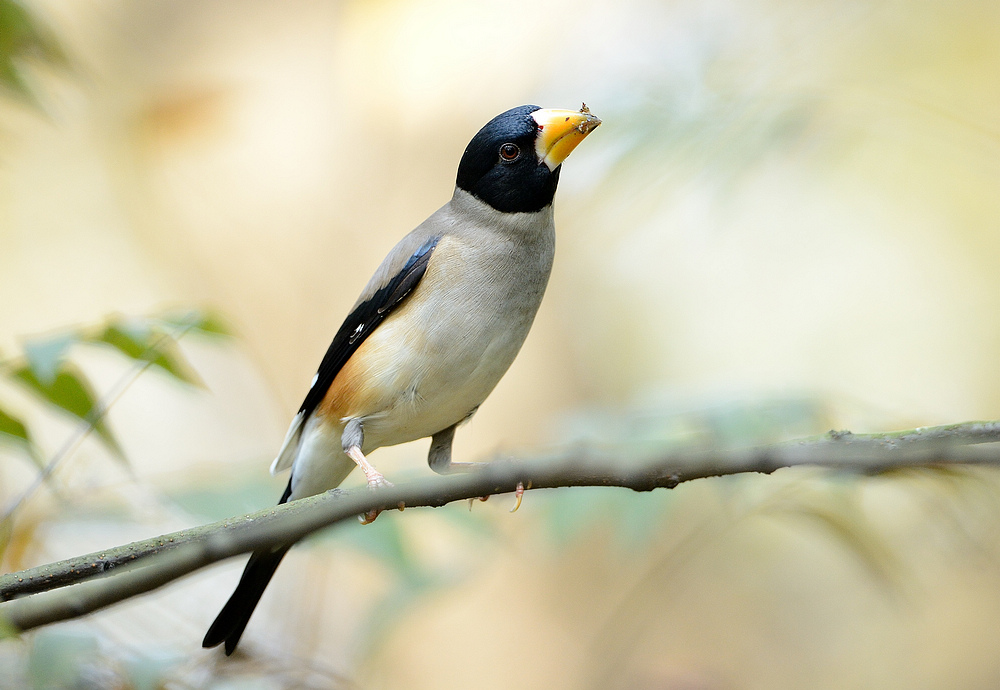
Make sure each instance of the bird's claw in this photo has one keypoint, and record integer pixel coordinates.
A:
(518, 493)
(481, 499)
(375, 481)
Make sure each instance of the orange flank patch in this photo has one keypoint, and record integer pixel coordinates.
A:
(349, 394)
(386, 364)
(376, 377)
(370, 381)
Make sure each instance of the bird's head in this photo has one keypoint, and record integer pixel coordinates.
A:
(513, 162)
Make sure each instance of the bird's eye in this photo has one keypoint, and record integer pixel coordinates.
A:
(509, 152)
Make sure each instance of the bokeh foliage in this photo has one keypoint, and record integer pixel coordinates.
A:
(23, 40)
(46, 373)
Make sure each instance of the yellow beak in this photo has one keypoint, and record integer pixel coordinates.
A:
(560, 131)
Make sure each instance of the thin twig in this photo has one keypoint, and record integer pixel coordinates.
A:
(195, 548)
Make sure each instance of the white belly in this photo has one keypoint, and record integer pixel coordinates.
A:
(440, 353)
(428, 394)
(444, 356)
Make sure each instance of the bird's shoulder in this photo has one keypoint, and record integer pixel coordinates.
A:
(393, 281)
(416, 245)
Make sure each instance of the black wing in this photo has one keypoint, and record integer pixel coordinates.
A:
(232, 620)
(363, 321)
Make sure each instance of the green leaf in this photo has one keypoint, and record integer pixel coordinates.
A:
(70, 391)
(139, 341)
(206, 322)
(45, 355)
(13, 430)
(11, 79)
(133, 337)
(12, 426)
(22, 38)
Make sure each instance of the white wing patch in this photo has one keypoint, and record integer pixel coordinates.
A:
(290, 448)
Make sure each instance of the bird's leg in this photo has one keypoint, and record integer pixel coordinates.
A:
(439, 458)
(352, 440)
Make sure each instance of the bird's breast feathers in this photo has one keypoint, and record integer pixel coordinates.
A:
(442, 351)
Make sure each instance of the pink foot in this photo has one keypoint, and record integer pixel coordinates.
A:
(375, 481)
(518, 493)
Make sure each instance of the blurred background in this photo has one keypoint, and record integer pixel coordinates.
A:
(789, 222)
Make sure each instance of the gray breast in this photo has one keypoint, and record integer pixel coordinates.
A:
(468, 317)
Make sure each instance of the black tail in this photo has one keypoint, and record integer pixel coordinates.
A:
(234, 616)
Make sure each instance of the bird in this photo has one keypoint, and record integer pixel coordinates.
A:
(433, 331)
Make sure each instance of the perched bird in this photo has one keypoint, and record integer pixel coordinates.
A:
(434, 330)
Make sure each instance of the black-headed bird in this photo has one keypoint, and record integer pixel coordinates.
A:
(434, 330)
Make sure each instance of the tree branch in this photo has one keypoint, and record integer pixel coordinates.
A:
(131, 569)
